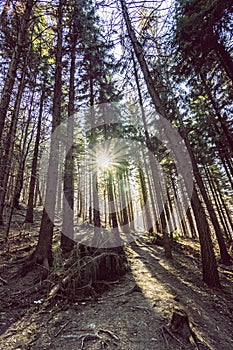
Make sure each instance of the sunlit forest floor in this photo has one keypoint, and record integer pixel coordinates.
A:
(132, 314)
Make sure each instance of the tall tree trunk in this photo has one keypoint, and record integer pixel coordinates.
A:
(155, 172)
(225, 257)
(227, 167)
(227, 211)
(129, 201)
(32, 185)
(224, 56)
(111, 199)
(191, 223)
(171, 214)
(11, 75)
(210, 267)
(43, 251)
(178, 204)
(209, 264)
(185, 199)
(10, 141)
(67, 234)
(19, 178)
(96, 212)
(217, 199)
(23, 156)
(144, 202)
(124, 205)
(222, 122)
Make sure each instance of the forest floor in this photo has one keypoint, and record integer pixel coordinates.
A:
(133, 314)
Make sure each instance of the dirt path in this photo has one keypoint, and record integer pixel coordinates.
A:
(132, 315)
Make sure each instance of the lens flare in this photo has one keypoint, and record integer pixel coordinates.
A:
(103, 161)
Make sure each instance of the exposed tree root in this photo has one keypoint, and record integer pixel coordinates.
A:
(81, 275)
(31, 265)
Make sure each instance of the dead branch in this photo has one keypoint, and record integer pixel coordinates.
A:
(111, 334)
(57, 287)
(78, 272)
(87, 337)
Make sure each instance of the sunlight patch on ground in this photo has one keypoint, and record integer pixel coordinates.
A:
(151, 287)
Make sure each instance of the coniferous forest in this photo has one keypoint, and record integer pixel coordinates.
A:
(116, 174)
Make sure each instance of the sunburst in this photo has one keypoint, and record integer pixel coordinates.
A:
(107, 156)
(103, 161)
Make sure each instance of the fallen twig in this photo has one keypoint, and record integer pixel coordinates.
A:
(3, 281)
(57, 287)
(61, 329)
(89, 337)
(172, 335)
(165, 339)
(111, 334)
(85, 337)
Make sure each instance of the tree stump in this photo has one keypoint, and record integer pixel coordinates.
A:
(180, 323)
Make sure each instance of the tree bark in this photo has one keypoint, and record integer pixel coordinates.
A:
(144, 202)
(111, 199)
(94, 180)
(155, 172)
(32, 185)
(67, 234)
(224, 127)
(26, 141)
(10, 141)
(209, 261)
(224, 56)
(225, 257)
(216, 193)
(209, 264)
(43, 251)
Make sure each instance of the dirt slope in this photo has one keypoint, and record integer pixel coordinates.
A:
(132, 315)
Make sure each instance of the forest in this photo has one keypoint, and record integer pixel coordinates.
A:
(116, 174)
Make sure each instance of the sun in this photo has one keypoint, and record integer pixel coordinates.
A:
(107, 156)
(103, 161)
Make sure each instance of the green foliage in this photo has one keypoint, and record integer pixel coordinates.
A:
(199, 25)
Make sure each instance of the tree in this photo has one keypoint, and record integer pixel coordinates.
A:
(197, 31)
(8, 151)
(67, 242)
(210, 272)
(16, 54)
(32, 185)
(24, 147)
(43, 251)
